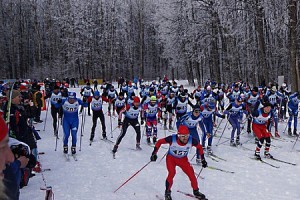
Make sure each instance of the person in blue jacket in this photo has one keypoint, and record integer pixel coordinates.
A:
(235, 112)
(70, 124)
(293, 105)
(208, 110)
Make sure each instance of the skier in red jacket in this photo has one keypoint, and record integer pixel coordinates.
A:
(180, 144)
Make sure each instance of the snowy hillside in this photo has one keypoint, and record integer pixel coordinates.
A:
(96, 174)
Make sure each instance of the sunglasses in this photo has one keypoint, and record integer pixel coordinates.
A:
(197, 111)
(184, 135)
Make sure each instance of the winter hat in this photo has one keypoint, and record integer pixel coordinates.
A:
(72, 95)
(183, 130)
(255, 89)
(96, 93)
(15, 93)
(239, 99)
(3, 129)
(266, 104)
(23, 87)
(153, 98)
(274, 89)
(196, 107)
(136, 99)
(56, 87)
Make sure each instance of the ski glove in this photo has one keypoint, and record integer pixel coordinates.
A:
(153, 157)
(120, 123)
(204, 163)
(223, 116)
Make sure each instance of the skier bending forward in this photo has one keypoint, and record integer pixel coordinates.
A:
(180, 144)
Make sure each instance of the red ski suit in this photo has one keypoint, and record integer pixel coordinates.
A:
(177, 156)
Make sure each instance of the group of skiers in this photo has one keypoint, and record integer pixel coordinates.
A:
(153, 103)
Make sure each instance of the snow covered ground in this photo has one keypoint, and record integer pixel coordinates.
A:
(96, 174)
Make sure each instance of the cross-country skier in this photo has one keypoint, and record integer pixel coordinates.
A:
(260, 119)
(235, 112)
(56, 111)
(131, 112)
(180, 145)
(70, 108)
(293, 106)
(206, 125)
(111, 95)
(250, 106)
(86, 92)
(272, 96)
(151, 110)
(96, 105)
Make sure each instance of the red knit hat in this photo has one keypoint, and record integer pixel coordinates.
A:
(23, 87)
(136, 100)
(183, 130)
(3, 129)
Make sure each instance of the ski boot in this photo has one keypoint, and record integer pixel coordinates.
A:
(199, 195)
(277, 134)
(104, 136)
(115, 149)
(289, 131)
(209, 150)
(73, 150)
(295, 133)
(168, 195)
(148, 141)
(154, 139)
(232, 143)
(268, 155)
(248, 130)
(256, 140)
(257, 156)
(92, 137)
(138, 146)
(237, 141)
(65, 149)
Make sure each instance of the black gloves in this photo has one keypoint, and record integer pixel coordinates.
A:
(84, 99)
(120, 123)
(59, 101)
(204, 163)
(142, 121)
(223, 116)
(153, 157)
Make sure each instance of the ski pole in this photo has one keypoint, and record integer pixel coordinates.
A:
(46, 115)
(113, 130)
(199, 172)
(223, 130)
(218, 127)
(82, 127)
(111, 127)
(133, 176)
(193, 157)
(56, 131)
(295, 141)
(163, 156)
(84, 121)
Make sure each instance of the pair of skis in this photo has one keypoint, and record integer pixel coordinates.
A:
(67, 156)
(275, 159)
(181, 192)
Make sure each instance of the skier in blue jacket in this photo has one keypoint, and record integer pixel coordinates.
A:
(70, 124)
(293, 105)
